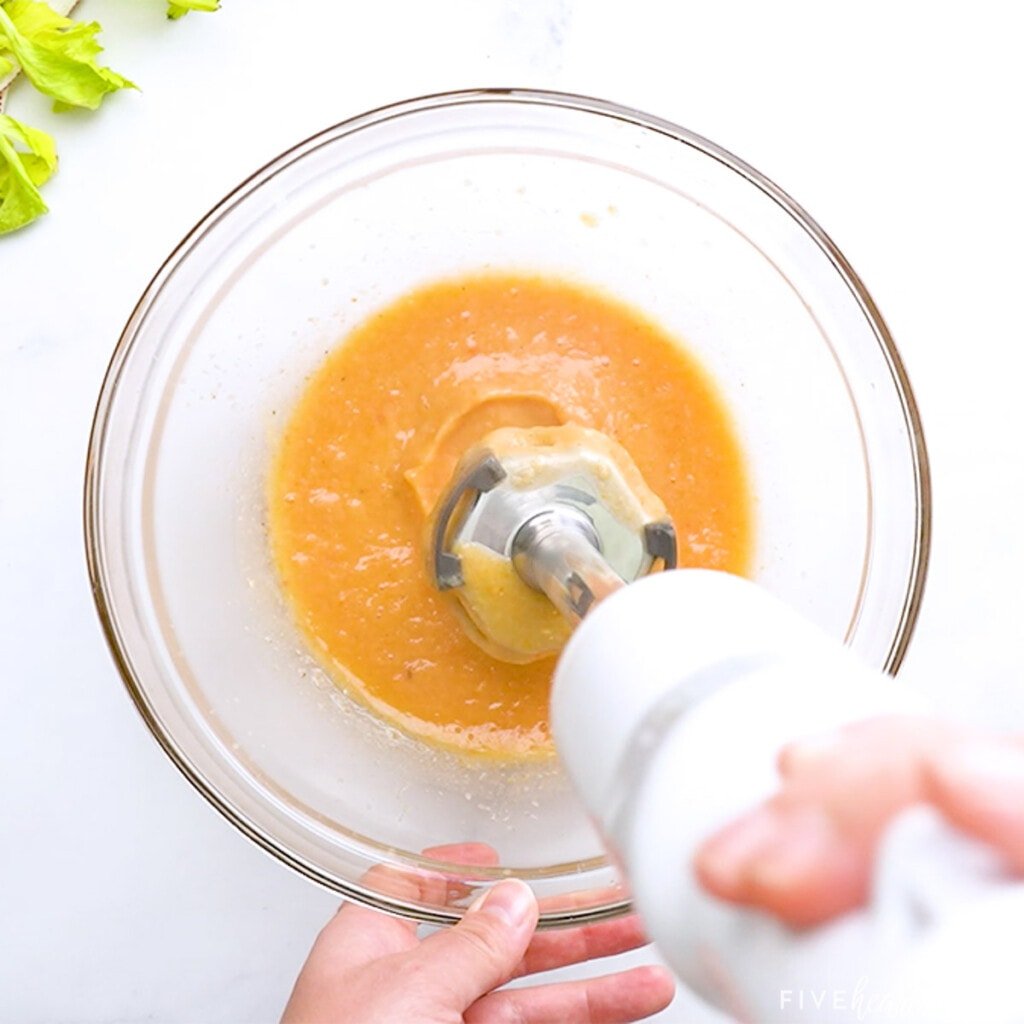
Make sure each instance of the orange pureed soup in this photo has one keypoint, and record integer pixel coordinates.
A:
(377, 432)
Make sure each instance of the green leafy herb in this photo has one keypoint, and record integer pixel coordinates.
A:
(58, 55)
(27, 158)
(180, 8)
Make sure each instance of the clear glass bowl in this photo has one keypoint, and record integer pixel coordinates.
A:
(223, 339)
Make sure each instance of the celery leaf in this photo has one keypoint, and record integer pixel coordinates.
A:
(179, 8)
(27, 158)
(58, 55)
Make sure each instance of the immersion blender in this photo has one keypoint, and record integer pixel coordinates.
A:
(675, 692)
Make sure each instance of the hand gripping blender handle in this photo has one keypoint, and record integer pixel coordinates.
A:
(669, 706)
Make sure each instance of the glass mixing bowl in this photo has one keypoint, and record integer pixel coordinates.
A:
(243, 311)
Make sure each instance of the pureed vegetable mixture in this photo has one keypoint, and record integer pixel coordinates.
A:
(370, 448)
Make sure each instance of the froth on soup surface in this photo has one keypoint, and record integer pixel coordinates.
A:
(371, 444)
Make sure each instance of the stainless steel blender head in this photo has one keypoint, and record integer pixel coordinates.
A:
(564, 515)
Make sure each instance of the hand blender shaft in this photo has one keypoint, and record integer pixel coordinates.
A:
(564, 507)
(557, 552)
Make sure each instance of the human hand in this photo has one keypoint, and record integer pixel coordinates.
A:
(366, 967)
(807, 854)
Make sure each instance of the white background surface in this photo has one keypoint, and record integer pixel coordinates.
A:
(122, 895)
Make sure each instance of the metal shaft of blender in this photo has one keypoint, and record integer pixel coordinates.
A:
(557, 552)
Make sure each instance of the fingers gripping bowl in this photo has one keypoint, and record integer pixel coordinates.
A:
(247, 307)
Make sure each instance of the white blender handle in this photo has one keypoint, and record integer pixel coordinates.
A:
(680, 633)
(669, 705)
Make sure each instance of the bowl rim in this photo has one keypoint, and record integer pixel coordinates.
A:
(94, 548)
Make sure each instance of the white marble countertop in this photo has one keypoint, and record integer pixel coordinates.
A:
(125, 897)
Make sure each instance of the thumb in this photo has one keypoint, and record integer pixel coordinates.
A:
(483, 950)
(979, 788)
